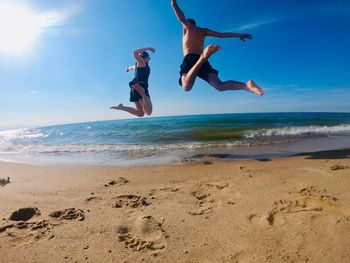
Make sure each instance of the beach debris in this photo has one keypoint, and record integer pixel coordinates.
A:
(4, 181)
(68, 214)
(119, 181)
(24, 214)
(132, 201)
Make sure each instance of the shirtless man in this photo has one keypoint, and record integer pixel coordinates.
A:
(196, 62)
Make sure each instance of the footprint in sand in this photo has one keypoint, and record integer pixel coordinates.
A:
(205, 197)
(119, 181)
(132, 201)
(146, 234)
(312, 217)
(68, 214)
(311, 201)
(163, 191)
(24, 214)
(261, 220)
(24, 228)
(339, 166)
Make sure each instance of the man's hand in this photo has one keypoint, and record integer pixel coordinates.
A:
(243, 37)
(152, 49)
(127, 69)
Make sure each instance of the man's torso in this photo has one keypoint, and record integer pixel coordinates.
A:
(193, 40)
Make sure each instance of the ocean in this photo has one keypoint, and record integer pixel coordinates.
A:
(171, 140)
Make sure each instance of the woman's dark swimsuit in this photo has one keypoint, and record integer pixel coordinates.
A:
(189, 61)
(141, 78)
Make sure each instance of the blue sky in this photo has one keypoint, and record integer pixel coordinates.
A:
(73, 69)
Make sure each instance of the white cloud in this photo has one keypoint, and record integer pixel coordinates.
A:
(256, 24)
(58, 17)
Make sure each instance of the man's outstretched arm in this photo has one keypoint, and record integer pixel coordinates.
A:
(212, 33)
(179, 14)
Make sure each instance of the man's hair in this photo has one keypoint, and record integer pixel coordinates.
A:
(144, 54)
(192, 21)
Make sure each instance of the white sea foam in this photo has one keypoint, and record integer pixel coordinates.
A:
(123, 149)
(301, 130)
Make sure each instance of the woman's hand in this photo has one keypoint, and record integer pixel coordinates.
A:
(152, 49)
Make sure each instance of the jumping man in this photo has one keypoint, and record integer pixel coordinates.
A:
(139, 85)
(195, 62)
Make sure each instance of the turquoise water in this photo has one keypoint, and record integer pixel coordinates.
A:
(172, 139)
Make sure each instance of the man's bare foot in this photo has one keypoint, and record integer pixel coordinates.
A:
(119, 107)
(210, 50)
(254, 88)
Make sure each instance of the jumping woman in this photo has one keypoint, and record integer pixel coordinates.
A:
(139, 85)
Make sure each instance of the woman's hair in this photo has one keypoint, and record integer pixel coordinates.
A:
(144, 54)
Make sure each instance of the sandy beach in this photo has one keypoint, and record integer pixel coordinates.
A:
(294, 209)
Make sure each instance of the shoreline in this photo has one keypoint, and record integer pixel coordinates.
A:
(178, 156)
(213, 210)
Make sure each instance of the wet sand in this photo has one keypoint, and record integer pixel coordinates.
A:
(294, 209)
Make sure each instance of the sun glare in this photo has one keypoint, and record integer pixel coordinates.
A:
(19, 28)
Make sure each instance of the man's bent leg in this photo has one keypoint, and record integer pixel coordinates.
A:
(214, 81)
(233, 85)
(190, 77)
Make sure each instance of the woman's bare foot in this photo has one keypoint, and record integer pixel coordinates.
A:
(210, 50)
(254, 88)
(119, 107)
